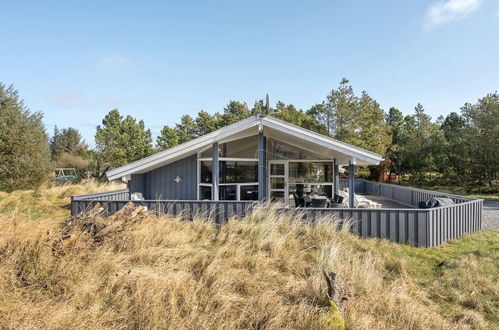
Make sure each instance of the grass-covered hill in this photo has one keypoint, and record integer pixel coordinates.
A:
(134, 270)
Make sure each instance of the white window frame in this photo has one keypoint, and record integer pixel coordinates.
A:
(228, 159)
(287, 182)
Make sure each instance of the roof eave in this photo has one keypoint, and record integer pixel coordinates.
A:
(182, 149)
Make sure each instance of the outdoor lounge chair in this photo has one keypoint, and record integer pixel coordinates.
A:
(137, 196)
(359, 201)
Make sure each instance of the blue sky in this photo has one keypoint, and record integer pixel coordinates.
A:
(76, 60)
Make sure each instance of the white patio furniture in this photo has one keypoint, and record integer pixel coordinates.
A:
(137, 196)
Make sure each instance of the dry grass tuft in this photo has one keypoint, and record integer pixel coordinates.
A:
(264, 271)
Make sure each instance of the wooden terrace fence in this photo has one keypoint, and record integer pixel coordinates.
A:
(418, 227)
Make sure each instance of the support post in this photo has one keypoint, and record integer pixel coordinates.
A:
(214, 172)
(351, 184)
(336, 179)
(262, 166)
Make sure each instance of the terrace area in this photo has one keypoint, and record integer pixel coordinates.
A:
(398, 218)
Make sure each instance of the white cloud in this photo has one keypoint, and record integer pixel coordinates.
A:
(446, 11)
(112, 62)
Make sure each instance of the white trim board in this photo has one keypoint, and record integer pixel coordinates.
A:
(246, 127)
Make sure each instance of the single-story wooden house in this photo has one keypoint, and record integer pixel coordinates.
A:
(254, 159)
(221, 174)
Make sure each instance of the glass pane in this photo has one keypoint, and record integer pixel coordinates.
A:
(228, 193)
(249, 193)
(307, 189)
(242, 148)
(277, 196)
(207, 153)
(238, 172)
(205, 172)
(280, 150)
(276, 169)
(276, 183)
(204, 192)
(309, 172)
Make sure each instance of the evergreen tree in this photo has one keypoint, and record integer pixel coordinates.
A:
(205, 123)
(167, 138)
(395, 122)
(67, 140)
(453, 127)
(482, 140)
(290, 114)
(421, 145)
(24, 152)
(340, 112)
(121, 141)
(234, 112)
(186, 130)
(322, 116)
(373, 132)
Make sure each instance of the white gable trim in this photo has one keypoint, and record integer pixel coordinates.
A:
(322, 140)
(183, 150)
(191, 147)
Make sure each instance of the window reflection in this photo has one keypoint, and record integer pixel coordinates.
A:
(206, 176)
(305, 172)
(238, 172)
(249, 193)
(228, 193)
(280, 150)
(242, 148)
(205, 192)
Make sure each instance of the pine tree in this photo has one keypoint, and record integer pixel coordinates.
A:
(121, 141)
(24, 152)
(167, 138)
(67, 140)
(186, 130)
(205, 123)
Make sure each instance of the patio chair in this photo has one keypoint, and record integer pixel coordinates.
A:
(319, 202)
(137, 196)
(362, 201)
(299, 201)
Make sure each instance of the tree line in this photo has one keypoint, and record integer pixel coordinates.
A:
(459, 149)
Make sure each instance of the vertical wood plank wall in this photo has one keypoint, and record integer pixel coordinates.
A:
(417, 227)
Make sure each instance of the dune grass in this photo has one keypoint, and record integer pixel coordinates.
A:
(264, 271)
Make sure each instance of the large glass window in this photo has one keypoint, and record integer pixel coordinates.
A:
(238, 171)
(280, 150)
(242, 148)
(308, 180)
(205, 172)
(310, 172)
(277, 197)
(248, 192)
(308, 189)
(227, 192)
(204, 192)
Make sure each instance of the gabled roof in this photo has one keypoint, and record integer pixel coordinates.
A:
(274, 128)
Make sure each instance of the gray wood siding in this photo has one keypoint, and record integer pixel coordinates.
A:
(136, 183)
(160, 184)
(419, 227)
